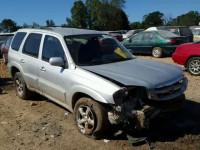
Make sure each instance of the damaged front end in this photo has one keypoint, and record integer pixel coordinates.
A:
(130, 107)
(136, 104)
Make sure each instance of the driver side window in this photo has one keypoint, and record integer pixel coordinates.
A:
(52, 48)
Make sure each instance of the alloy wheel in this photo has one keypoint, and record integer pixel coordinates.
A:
(85, 119)
(194, 67)
(19, 86)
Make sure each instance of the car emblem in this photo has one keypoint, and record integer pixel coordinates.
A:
(171, 90)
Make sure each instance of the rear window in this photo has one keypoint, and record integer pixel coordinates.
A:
(174, 30)
(18, 40)
(185, 31)
(166, 34)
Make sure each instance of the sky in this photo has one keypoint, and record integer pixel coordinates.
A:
(29, 11)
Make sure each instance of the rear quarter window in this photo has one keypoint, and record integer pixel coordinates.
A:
(185, 31)
(17, 41)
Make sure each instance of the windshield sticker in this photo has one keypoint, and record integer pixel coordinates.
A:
(120, 52)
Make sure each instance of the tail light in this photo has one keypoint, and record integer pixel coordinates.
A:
(172, 42)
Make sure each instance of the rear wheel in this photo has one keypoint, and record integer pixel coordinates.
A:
(20, 86)
(91, 117)
(193, 66)
(157, 52)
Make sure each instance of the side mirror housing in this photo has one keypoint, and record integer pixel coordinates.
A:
(129, 40)
(57, 61)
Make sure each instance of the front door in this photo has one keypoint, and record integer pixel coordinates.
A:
(52, 79)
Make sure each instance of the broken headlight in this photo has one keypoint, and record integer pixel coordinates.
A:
(119, 96)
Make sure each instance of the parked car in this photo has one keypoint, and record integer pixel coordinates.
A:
(117, 35)
(122, 31)
(189, 56)
(4, 49)
(3, 37)
(182, 31)
(131, 33)
(94, 76)
(158, 43)
(196, 32)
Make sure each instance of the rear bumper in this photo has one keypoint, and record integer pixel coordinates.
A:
(169, 49)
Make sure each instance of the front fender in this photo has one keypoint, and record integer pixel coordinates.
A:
(90, 92)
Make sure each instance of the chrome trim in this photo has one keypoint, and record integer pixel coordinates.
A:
(153, 93)
(169, 82)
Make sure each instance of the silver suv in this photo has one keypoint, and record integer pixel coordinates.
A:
(94, 76)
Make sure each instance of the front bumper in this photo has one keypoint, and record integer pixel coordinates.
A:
(179, 58)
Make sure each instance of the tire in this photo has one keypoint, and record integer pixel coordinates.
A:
(20, 87)
(193, 66)
(157, 52)
(4, 59)
(91, 118)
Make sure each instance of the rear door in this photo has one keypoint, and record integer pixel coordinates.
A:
(53, 80)
(29, 59)
(148, 42)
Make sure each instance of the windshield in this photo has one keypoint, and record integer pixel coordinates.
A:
(96, 49)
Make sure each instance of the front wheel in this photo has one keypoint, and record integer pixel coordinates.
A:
(91, 117)
(157, 52)
(193, 66)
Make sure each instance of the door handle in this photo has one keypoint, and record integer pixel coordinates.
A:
(42, 69)
(22, 61)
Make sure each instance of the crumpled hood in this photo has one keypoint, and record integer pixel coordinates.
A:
(138, 72)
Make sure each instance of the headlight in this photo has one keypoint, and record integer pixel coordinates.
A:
(119, 96)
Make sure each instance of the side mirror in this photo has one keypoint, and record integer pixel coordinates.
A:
(56, 61)
(129, 40)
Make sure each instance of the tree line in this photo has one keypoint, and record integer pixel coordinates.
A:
(108, 15)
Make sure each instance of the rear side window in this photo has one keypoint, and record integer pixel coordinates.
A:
(32, 44)
(18, 40)
(52, 48)
(185, 31)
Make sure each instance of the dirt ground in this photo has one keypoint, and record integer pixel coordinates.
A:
(38, 124)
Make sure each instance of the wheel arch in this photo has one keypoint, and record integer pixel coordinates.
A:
(13, 70)
(86, 93)
(185, 65)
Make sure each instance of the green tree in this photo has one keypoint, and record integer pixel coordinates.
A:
(112, 18)
(99, 15)
(79, 15)
(189, 19)
(35, 25)
(136, 25)
(153, 19)
(50, 23)
(115, 3)
(92, 7)
(8, 25)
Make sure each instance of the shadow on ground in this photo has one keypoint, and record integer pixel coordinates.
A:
(5, 83)
(171, 128)
(184, 122)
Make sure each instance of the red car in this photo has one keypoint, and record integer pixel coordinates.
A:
(189, 56)
(4, 49)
